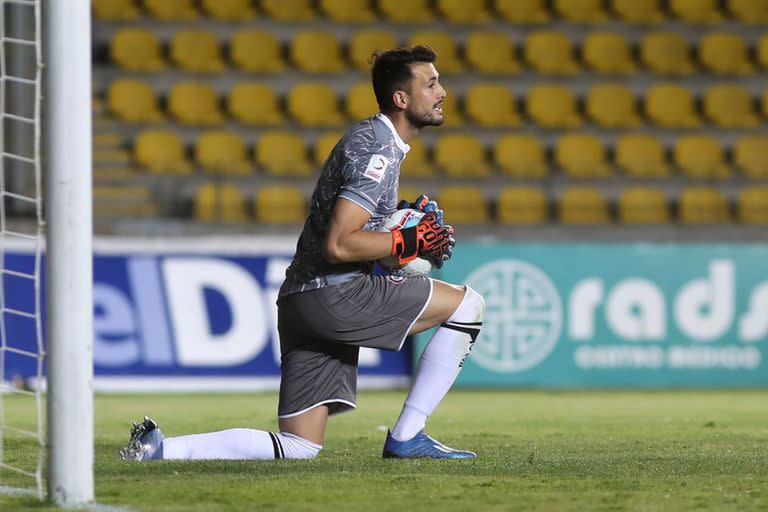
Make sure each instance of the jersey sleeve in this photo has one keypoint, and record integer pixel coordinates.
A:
(365, 175)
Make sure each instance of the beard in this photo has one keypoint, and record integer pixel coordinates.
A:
(420, 119)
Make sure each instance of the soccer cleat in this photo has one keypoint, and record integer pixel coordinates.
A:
(145, 443)
(421, 446)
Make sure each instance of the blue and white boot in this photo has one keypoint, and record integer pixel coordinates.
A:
(146, 442)
(421, 446)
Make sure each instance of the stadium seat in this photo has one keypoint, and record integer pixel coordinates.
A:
(582, 155)
(491, 105)
(461, 155)
(550, 52)
(700, 157)
(283, 153)
(520, 156)
(316, 52)
(194, 103)
(643, 205)
(696, 11)
(416, 163)
(445, 47)
(608, 53)
(171, 10)
(222, 152)
(765, 103)
(582, 205)
(612, 106)
(666, 53)
(750, 156)
(136, 49)
(196, 50)
(671, 106)
(749, 11)
(253, 103)
(522, 12)
(552, 106)
(703, 205)
(451, 112)
(406, 11)
(464, 11)
(491, 53)
(463, 204)
(729, 106)
(365, 42)
(161, 151)
(753, 205)
(348, 11)
(361, 102)
(323, 147)
(220, 203)
(115, 10)
(133, 101)
(521, 205)
(254, 51)
(638, 12)
(724, 53)
(581, 11)
(229, 10)
(279, 204)
(641, 156)
(410, 193)
(314, 104)
(288, 10)
(762, 51)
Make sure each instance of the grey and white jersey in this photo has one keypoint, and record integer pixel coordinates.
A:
(363, 167)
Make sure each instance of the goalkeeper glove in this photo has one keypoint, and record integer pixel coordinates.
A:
(422, 204)
(427, 239)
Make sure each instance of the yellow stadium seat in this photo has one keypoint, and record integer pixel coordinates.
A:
(280, 204)
(461, 155)
(641, 156)
(729, 106)
(583, 205)
(608, 53)
(416, 163)
(666, 53)
(520, 156)
(750, 11)
(348, 11)
(314, 104)
(753, 205)
(222, 152)
(409, 193)
(115, 10)
(703, 205)
(612, 106)
(136, 49)
(194, 103)
(171, 10)
(406, 11)
(765, 103)
(254, 51)
(762, 51)
(550, 52)
(448, 60)
(133, 101)
(254, 104)
(161, 151)
(491, 52)
(316, 52)
(365, 42)
(643, 205)
(361, 102)
(323, 147)
(229, 10)
(283, 154)
(491, 105)
(638, 12)
(750, 155)
(521, 205)
(552, 106)
(220, 203)
(724, 53)
(582, 155)
(464, 11)
(581, 11)
(701, 157)
(671, 106)
(696, 11)
(523, 12)
(288, 10)
(463, 204)
(196, 50)
(451, 114)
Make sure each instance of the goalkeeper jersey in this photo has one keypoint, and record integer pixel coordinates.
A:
(363, 167)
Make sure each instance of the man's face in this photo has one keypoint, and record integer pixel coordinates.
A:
(427, 95)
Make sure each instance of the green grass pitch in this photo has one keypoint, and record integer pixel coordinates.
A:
(538, 450)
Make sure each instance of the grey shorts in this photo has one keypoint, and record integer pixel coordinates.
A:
(321, 332)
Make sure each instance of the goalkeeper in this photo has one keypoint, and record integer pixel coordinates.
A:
(331, 303)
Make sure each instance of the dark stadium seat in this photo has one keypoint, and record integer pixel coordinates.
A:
(703, 205)
(729, 106)
(701, 157)
(724, 53)
(666, 53)
(641, 156)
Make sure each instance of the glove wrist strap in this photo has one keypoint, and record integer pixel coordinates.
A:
(404, 244)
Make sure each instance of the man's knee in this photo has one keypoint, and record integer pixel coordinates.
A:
(471, 308)
(291, 446)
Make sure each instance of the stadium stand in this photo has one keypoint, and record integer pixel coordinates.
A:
(551, 53)
(171, 10)
(254, 51)
(323, 146)
(347, 11)
(288, 10)
(612, 106)
(666, 53)
(724, 53)
(444, 45)
(552, 106)
(253, 103)
(491, 105)
(136, 49)
(582, 155)
(643, 205)
(641, 156)
(196, 51)
(583, 205)
(524, 12)
(161, 151)
(279, 204)
(491, 53)
(316, 52)
(608, 53)
(701, 157)
(521, 205)
(314, 104)
(361, 102)
(220, 203)
(406, 11)
(461, 156)
(283, 153)
(753, 205)
(520, 156)
(703, 205)
(638, 12)
(581, 11)
(729, 106)
(749, 11)
(115, 10)
(133, 101)
(671, 106)
(464, 203)
(229, 10)
(751, 157)
(222, 152)
(464, 11)
(194, 104)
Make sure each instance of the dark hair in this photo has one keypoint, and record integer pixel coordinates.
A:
(392, 71)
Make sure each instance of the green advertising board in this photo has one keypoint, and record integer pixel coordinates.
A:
(616, 315)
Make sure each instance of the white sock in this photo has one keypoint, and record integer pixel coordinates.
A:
(440, 364)
(239, 443)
